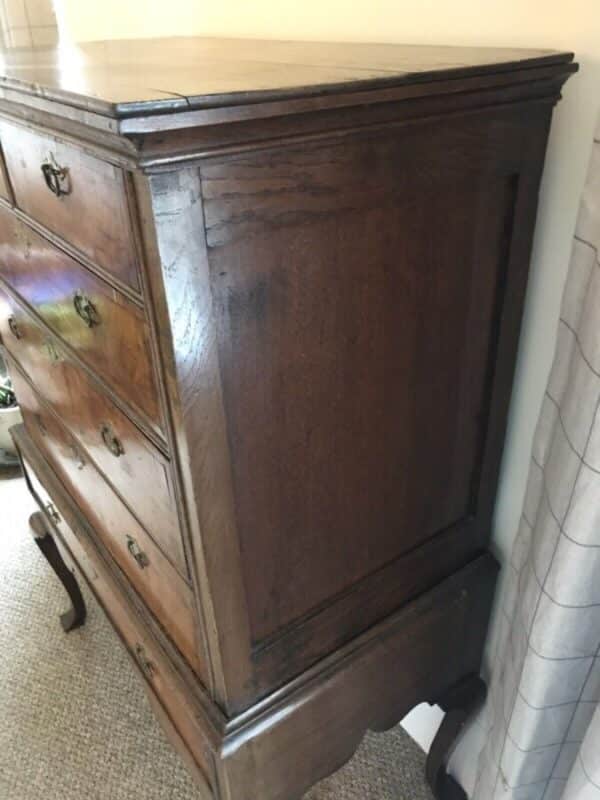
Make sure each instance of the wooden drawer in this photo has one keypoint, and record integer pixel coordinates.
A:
(80, 553)
(166, 593)
(140, 473)
(93, 215)
(106, 330)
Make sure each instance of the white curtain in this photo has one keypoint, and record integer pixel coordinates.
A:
(538, 737)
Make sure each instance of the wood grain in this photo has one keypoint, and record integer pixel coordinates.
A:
(116, 347)
(280, 747)
(341, 288)
(93, 216)
(319, 259)
(79, 551)
(140, 474)
(171, 206)
(156, 76)
(166, 593)
(343, 316)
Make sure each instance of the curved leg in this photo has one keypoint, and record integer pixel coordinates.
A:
(459, 703)
(75, 616)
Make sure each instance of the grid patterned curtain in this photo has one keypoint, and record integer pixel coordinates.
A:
(538, 737)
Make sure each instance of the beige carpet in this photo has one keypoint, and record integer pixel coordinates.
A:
(74, 720)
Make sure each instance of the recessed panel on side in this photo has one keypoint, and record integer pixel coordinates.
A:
(356, 289)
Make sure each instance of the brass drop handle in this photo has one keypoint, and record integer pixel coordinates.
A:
(56, 177)
(112, 442)
(53, 354)
(137, 553)
(52, 513)
(146, 665)
(86, 309)
(14, 328)
(78, 457)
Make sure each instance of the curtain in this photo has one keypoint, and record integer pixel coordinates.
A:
(538, 736)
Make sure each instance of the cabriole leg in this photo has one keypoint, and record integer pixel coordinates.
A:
(75, 616)
(459, 703)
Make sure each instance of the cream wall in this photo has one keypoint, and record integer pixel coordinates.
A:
(538, 23)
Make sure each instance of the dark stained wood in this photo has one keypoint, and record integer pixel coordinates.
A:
(140, 474)
(93, 214)
(343, 316)
(153, 76)
(352, 285)
(323, 715)
(42, 354)
(331, 282)
(171, 207)
(369, 685)
(75, 616)
(167, 595)
(72, 526)
(211, 132)
(80, 550)
(116, 346)
(459, 702)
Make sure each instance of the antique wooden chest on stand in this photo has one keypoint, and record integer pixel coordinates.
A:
(261, 305)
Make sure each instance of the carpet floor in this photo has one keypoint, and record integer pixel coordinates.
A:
(75, 720)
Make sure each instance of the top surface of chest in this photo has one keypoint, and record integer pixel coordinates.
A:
(120, 78)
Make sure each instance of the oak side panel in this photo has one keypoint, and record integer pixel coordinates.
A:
(341, 354)
(355, 292)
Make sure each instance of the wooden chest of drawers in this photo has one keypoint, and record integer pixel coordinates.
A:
(262, 321)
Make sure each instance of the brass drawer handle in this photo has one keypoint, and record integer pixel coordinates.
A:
(146, 665)
(86, 309)
(52, 513)
(137, 553)
(53, 353)
(56, 177)
(78, 457)
(14, 328)
(112, 442)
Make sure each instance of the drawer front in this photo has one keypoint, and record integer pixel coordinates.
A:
(152, 663)
(165, 592)
(107, 331)
(135, 468)
(91, 211)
